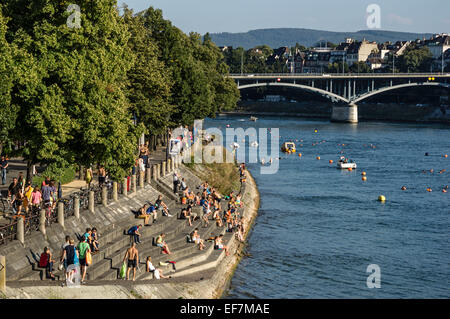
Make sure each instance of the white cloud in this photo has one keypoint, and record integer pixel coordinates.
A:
(394, 18)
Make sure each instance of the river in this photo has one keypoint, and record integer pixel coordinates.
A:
(319, 228)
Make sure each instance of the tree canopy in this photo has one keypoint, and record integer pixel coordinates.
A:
(69, 94)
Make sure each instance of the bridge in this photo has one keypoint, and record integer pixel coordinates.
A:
(345, 90)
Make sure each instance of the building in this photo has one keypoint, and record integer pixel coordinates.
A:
(360, 51)
(316, 61)
(438, 44)
(296, 62)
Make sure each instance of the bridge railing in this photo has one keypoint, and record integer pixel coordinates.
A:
(250, 75)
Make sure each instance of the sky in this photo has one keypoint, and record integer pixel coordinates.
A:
(418, 16)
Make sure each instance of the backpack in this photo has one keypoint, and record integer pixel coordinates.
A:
(43, 262)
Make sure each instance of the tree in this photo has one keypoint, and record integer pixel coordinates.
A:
(359, 67)
(149, 84)
(74, 110)
(336, 67)
(415, 59)
(7, 113)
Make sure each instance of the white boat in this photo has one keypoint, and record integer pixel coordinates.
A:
(344, 163)
(253, 118)
(254, 144)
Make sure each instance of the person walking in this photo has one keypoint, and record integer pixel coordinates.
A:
(83, 248)
(3, 166)
(132, 259)
(176, 181)
(70, 256)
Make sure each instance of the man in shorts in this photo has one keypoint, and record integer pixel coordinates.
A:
(83, 248)
(132, 259)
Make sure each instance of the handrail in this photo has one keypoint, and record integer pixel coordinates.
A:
(339, 74)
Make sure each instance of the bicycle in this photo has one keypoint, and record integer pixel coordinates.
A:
(5, 204)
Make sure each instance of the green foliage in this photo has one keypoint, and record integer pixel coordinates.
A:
(70, 95)
(415, 59)
(64, 175)
(336, 67)
(8, 112)
(149, 84)
(359, 67)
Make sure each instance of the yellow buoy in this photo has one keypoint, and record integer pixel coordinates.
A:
(330, 161)
(381, 198)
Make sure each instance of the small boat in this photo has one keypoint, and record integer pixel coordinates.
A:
(288, 147)
(345, 163)
(252, 118)
(254, 144)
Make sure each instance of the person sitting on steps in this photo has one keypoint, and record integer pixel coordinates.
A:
(195, 238)
(157, 272)
(162, 244)
(219, 245)
(143, 214)
(135, 232)
(186, 215)
(160, 205)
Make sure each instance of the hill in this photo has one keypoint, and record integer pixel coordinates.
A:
(289, 36)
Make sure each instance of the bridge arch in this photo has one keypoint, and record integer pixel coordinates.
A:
(330, 95)
(396, 87)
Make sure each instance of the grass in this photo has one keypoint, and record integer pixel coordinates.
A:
(136, 295)
(223, 176)
(65, 176)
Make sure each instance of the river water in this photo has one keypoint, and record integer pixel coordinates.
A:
(319, 228)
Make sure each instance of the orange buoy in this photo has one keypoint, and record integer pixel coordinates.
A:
(445, 155)
(299, 154)
(364, 178)
(444, 190)
(363, 173)
(429, 189)
(403, 188)
(318, 157)
(350, 169)
(330, 161)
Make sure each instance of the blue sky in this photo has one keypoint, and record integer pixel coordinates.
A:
(431, 16)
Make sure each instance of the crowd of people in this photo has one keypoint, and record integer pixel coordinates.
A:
(72, 256)
(207, 198)
(26, 198)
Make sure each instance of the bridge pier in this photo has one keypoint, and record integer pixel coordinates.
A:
(345, 113)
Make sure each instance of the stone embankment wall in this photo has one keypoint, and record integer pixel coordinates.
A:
(366, 111)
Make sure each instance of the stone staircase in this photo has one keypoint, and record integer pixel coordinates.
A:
(114, 243)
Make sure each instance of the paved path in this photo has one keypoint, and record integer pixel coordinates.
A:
(17, 165)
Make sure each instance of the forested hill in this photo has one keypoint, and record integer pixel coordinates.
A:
(290, 36)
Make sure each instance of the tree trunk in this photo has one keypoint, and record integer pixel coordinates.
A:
(29, 172)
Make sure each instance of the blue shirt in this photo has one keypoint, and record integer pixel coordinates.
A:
(132, 230)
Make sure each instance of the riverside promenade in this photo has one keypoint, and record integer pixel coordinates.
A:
(198, 274)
